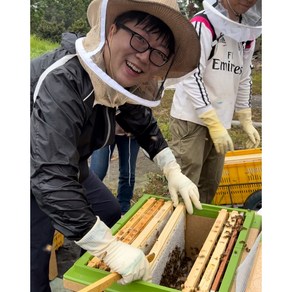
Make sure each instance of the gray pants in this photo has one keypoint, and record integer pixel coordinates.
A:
(195, 153)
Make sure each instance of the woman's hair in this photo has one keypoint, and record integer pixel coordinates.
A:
(151, 24)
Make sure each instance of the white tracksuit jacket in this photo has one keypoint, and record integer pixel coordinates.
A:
(222, 83)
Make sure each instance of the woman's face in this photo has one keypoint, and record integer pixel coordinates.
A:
(123, 63)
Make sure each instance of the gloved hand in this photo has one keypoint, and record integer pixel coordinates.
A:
(244, 117)
(128, 261)
(218, 133)
(178, 182)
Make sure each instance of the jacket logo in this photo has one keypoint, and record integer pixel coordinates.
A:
(228, 65)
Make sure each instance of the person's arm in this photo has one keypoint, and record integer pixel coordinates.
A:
(195, 88)
(244, 94)
(243, 101)
(140, 122)
(56, 124)
(40, 64)
(193, 85)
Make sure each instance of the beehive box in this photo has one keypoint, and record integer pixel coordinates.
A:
(242, 175)
(197, 228)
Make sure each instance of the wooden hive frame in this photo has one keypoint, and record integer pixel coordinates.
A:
(205, 252)
(129, 232)
(150, 233)
(213, 264)
(227, 253)
(206, 274)
(171, 237)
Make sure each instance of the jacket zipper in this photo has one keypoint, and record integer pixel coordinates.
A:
(108, 128)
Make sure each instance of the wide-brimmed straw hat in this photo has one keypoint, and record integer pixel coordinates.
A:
(187, 45)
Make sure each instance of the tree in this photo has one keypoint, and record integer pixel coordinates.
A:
(37, 11)
(50, 18)
(190, 7)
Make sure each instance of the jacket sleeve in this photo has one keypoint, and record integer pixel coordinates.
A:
(244, 94)
(139, 121)
(56, 124)
(193, 85)
(40, 64)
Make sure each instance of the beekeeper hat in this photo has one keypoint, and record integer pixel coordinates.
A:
(249, 28)
(187, 46)
(102, 14)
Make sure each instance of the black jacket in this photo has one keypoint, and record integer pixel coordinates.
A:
(65, 129)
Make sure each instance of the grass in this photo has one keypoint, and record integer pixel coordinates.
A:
(39, 46)
(257, 81)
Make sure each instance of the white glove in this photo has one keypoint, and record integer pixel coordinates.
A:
(178, 182)
(128, 261)
(218, 133)
(244, 117)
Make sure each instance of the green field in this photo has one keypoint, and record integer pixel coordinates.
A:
(39, 47)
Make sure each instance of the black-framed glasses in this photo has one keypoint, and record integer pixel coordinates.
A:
(139, 44)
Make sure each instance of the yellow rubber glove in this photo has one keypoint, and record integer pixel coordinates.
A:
(244, 117)
(218, 133)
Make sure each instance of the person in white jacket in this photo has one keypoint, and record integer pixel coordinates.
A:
(205, 100)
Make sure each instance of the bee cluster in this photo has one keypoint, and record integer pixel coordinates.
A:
(177, 269)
